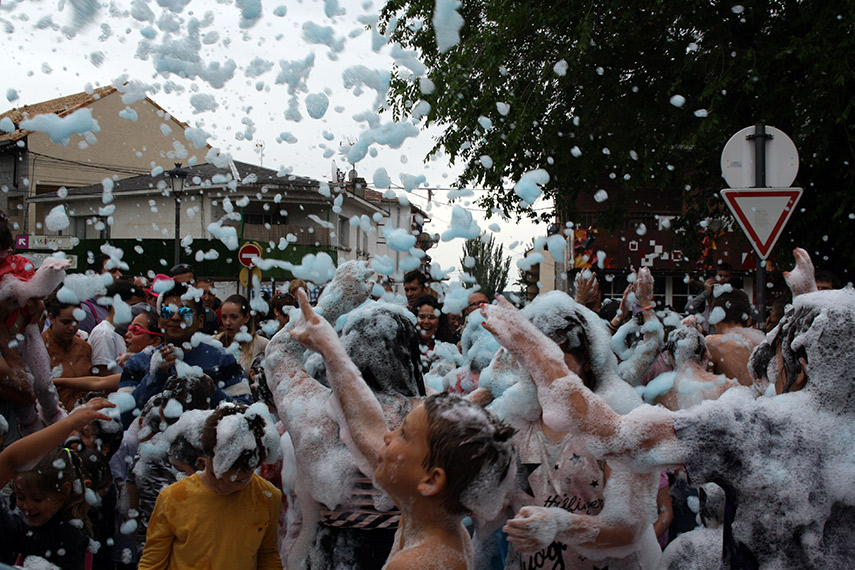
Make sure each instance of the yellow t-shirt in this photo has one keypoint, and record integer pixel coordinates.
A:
(194, 528)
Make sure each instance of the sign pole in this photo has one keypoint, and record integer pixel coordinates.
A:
(760, 137)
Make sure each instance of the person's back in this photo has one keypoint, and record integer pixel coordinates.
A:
(733, 342)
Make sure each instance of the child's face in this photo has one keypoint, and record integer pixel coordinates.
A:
(37, 505)
(231, 482)
(400, 466)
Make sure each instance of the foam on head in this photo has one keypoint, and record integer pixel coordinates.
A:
(475, 450)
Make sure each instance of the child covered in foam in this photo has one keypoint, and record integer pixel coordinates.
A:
(785, 463)
(448, 459)
(22, 290)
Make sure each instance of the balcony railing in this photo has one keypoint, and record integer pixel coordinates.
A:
(316, 237)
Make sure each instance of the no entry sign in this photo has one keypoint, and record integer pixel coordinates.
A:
(247, 254)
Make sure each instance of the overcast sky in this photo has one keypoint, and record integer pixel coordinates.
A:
(52, 49)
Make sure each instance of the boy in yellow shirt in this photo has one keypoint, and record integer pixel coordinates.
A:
(224, 517)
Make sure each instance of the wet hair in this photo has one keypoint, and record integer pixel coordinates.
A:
(192, 392)
(181, 269)
(389, 363)
(443, 330)
(296, 284)
(54, 306)
(97, 264)
(794, 323)
(96, 469)
(181, 290)
(183, 450)
(125, 289)
(686, 343)
(5, 232)
(724, 266)
(61, 466)
(282, 300)
(826, 276)
(416, 276)
(468, 443)
(150, 320)
(258, 386)
(736, 306)
(248, 459)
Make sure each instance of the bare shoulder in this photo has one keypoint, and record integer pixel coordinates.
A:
(430, 555)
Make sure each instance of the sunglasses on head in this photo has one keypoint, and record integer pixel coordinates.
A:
(138, 330)
(186, 313)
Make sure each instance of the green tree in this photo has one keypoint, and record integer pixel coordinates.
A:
(487, 264)
(633, 94)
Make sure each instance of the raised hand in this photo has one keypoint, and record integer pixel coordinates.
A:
(81, 416)
(644, 287)
(801, 279)
(311, 330)
(587, 288)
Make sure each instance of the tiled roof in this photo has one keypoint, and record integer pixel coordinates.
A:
(249, 174)
(61, 106)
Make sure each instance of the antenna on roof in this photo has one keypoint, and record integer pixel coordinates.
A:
(259, 148)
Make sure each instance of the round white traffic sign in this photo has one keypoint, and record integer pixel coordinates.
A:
(782, 159)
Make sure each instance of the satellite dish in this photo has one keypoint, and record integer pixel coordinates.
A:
(352, 175)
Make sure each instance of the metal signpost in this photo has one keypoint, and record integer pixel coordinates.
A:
(761, 212)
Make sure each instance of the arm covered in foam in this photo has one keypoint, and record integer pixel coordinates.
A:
(653, 337)
(628, 511)
(23, 454)
(644, 438)
(362, 412)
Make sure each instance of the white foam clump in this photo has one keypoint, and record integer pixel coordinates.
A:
(234, 437)
(60, 129)
(381, 179)
(528, 187)
(716, 315)
(560, 68)
(226, 234)
(383, 265)
(57, 219)
(317, 104)
(33, 562)
(463, 225)
(678, 101)
(189, 426)
(79, 287)
(399, 239)
(601, 196)
(446, 24)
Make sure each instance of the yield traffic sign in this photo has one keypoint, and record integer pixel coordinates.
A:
(762, 213)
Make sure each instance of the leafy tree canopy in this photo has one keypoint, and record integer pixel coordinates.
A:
(637, 94)
(487, 265)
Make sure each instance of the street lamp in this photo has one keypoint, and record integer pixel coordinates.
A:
(177, 176)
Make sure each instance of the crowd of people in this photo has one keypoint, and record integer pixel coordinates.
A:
(147, 423)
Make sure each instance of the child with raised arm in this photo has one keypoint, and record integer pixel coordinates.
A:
(448, 458)
(225, 517)
(789, 498)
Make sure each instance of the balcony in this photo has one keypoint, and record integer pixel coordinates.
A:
(306, 235)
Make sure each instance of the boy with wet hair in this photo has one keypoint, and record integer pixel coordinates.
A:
(449, 458)
(226, 516)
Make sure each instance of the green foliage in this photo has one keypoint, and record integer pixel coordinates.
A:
(787, 63)
(491, 267)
